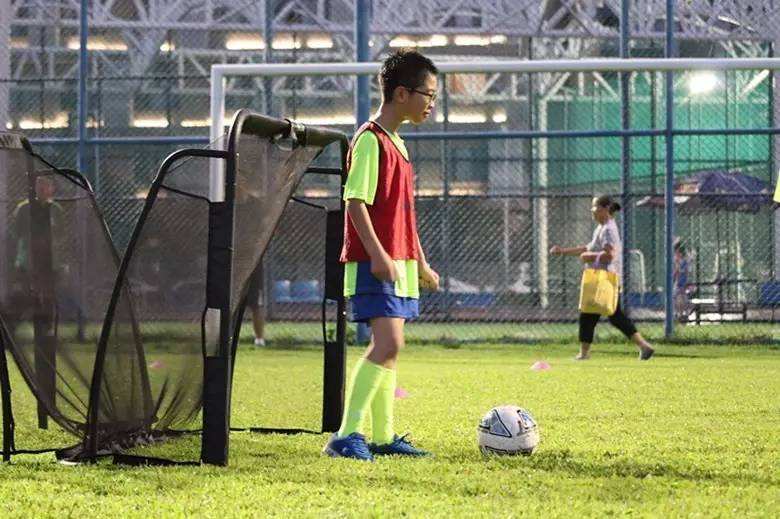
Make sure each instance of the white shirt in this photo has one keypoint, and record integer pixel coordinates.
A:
(603, 235)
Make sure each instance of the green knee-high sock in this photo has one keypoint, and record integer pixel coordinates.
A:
(382, 410)
(362, 388)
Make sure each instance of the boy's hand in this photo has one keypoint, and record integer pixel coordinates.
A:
(555, 250)
(383, 268)
(429, 278)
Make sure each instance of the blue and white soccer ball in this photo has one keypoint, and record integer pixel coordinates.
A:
(507, 429)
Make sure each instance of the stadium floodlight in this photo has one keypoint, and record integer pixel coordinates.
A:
(702, 82)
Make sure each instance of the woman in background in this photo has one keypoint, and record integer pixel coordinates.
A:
(604, 252)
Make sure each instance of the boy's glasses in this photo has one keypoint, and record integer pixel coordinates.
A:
(431, 96)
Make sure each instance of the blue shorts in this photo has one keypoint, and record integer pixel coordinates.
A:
(368, 306)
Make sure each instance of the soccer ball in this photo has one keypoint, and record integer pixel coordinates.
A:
(507, 429)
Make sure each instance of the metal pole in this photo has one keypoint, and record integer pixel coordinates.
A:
(268, 32)
(532, 164)
(5, 109)
(541, 216)
(506, 66)
(444, 156)
(669, 188)
(82, 95)
(362, 54)
(5, 61)
(774, 116)
(653, 173)
(435, 136)
(625, 152)
(362, 97)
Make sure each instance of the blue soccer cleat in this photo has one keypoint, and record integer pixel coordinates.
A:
(400, 446)
(351, 446)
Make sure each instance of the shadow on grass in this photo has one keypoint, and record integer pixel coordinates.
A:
(559, 464)
(658, 354)
(609, 465)
(280, 345)
(509, 340)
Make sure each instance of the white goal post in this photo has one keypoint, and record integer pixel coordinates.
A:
(219, 73)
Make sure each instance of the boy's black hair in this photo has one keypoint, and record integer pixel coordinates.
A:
(405, 67)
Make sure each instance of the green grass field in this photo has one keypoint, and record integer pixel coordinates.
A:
(695, 432)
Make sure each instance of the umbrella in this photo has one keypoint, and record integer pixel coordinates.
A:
(716, 190)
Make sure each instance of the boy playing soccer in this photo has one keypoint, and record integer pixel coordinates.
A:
(385, 264)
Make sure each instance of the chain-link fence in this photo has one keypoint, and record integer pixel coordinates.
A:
(494, 194)
(492, 199)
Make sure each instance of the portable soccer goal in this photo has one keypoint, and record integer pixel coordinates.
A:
(155, 356)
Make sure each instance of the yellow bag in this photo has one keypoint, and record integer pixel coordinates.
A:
(777, 191)
(599, 292)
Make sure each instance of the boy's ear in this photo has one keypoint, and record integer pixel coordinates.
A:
(400, 95)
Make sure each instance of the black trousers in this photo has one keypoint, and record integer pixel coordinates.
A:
(619, 320)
